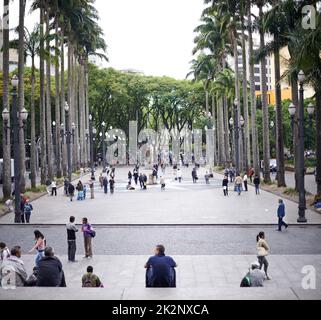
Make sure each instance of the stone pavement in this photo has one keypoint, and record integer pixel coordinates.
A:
(183, 203)
(198, 277)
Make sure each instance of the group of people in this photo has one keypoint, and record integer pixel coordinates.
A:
(241, 183)
(107, 178)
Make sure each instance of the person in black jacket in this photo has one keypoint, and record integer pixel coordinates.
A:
(71, 238)
(50, 273)
(225, 186)
(71, 191)
(257, 183)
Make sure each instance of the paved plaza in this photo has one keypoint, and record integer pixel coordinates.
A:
(184, 203)
(211, 237)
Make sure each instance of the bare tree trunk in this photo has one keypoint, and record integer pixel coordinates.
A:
(255, 147)
(266, 124)
(21, 101)
(33, 127)
(6, 143)
(57, 104)
(42, 100)
(62, 100)
(48, 99)
(247, 146)
(279, 122)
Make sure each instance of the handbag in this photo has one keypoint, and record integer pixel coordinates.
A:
(93, 234)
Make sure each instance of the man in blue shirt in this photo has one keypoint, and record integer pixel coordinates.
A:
(160, 271)
(281, 215)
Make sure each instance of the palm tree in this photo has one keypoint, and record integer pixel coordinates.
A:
(266, 123)
(6, 144)
(21, 98)
(255, 146)
(32, 43)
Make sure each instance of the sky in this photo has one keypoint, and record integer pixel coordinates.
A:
(151, 36)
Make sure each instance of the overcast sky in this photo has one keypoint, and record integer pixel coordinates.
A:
(152, 36)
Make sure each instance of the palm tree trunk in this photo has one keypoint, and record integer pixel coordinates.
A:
(222, 140)
(247, 146)
(48, 98)
(226, 129)
(33, 126)
(87, 107)
(279, 121)
(42, 100)
(76, 116)
(266, 124)
(255, 147)
(21, 101)
(6, 144)
(62, 100)
(57, 105)
(318, 138)
(214, 127)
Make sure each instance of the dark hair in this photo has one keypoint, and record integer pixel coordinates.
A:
(38, 235)
(160, 248)
(49, 252)
(72, 219)
(90, 269)
(85, 220)
(15, 250)
(261, 235)
(2, 245)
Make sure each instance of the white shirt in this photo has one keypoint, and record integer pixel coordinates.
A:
(245, 178)
(53, 184)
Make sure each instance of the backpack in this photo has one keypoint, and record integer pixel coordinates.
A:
(246, 282)
(89, 282)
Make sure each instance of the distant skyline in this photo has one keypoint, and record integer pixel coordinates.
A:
(154, 37)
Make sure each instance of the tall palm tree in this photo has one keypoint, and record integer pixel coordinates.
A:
(32, 47)
(21, 97)
(6, 143)
(255, 145)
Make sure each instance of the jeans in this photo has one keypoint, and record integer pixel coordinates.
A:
(257, 189)
(39, 256)
(263, 261)
(225, 191)
(282, 223)
(27, 215)
(54, 191)
(238, 189)
(88, 246)
(71, 250)
(106, 189)
(245, 186)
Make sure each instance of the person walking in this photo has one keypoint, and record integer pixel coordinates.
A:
(53, 188)
(238, 184)
(225, 186)
(257, 182)
(141, 181)
(145, 181)
(179, 175)
(130, 177)
(48, 186)
(101, 180)
(71, 238)
(85, 191)
(4, 252)
(40, 246)
(232, 174)
(90, 280)
(80, 189)
(88, 232)
(251, 174)
(136, 175)
(245, 182)
(194, 175)
(92, 190)
(162, 182)
(50, 271)
(66, 185)
(105, 184)
(13, 269)
(23, 200)
(262, 252)
(112, 185)
(27, 209)
(281, 215)
(71, 191)
(207, 178)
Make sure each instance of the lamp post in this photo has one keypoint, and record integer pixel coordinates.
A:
(91, 139)
(68, 141)
(103, 142)
(17, 116)
(242, 123)
(272, 126)
(231, 123)
(237, 137)
(310, 110)
(302, 201)
(54, 128)
(292, 111)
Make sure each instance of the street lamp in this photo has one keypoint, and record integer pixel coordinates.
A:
(237, 136)
(292, 111)
(68, 141)
(103, 141)
(54, 138)
(17, 117)
(302, 201)
(242, 123)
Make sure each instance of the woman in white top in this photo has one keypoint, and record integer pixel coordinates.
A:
(53, 188)
(262, 252)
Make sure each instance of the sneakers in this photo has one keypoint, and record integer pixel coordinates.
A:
(268, 278)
